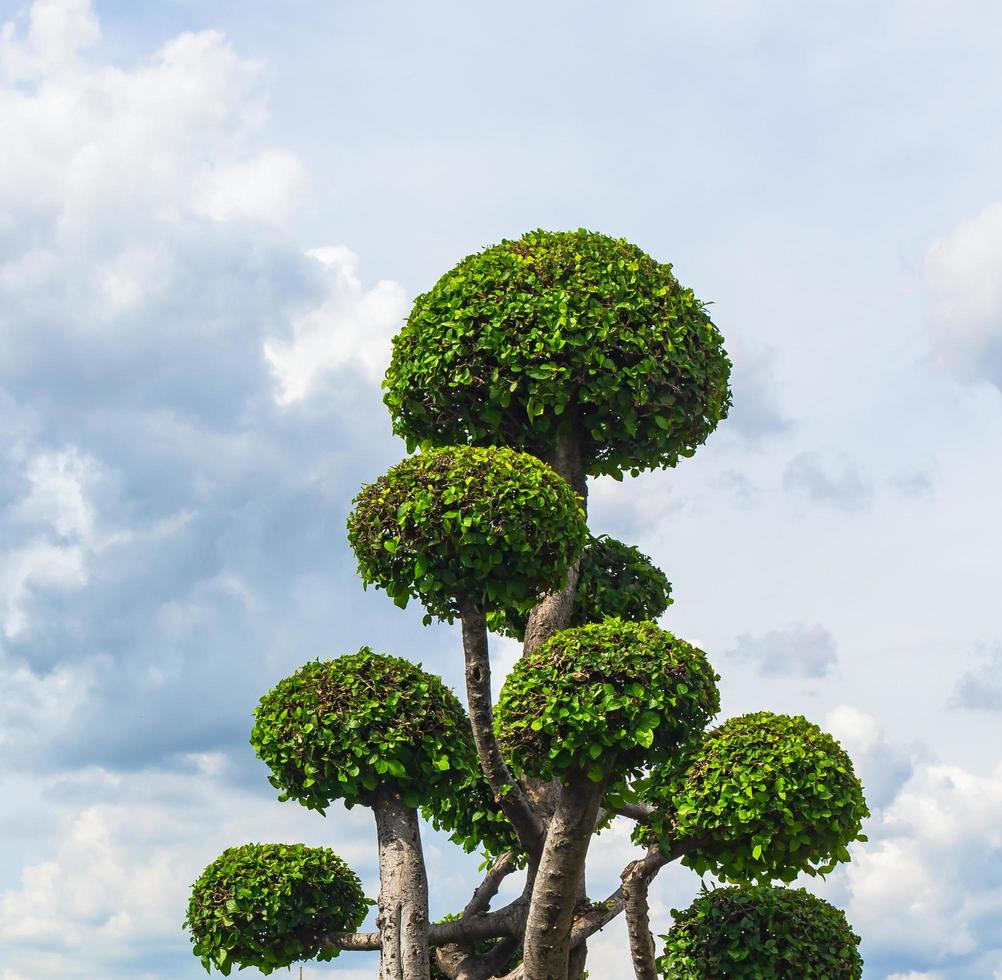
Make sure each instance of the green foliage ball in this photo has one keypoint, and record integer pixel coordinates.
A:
(339, 729)
(526, 335)
(610, 694)
(269, 905)
(760, 933)
(494, 525)
(615, 579)
(772, 796)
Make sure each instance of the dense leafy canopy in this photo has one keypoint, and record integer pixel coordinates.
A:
(269, 905)
(615, 580)
(773, 795)
(339, 729)
(556, 329)
(494, 525)
(760, 933)
(610, 694)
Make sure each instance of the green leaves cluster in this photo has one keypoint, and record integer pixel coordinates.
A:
(615, 580)
(340, 729)
(556, 329)
(610, 694)
(269, 905)
(772, 795)
(760, 933)
(497, 526)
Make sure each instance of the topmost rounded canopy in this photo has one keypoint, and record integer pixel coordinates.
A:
(571, 333)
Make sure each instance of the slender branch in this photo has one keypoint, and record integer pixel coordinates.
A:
(641, 812)
(508, 793)
(484, 894)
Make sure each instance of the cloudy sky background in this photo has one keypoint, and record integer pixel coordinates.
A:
(213, 217)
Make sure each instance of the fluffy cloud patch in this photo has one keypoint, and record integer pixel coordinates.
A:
(840, 484)
(980, 688)
(964, 278)
(797, 651)
(352, 328)
(935, 858)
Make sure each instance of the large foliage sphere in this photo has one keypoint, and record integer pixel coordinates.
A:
(270, 905)
(615, 579)
(760, 933)
(771, 795)
(491, 524)
(610, 695)
(339, 729)
(525, 335)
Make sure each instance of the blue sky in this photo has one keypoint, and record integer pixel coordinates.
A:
(213, 217)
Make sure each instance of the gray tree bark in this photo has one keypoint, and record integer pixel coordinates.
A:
(403, 891)
(561, 869)
(507, 791)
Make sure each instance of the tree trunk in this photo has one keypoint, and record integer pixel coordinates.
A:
(561, 870)
(403, 891)
(554, 611)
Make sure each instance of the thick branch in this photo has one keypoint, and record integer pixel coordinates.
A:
(507, 791)
(638, 926)
(641, 812)
(403, 891)
(555, 892)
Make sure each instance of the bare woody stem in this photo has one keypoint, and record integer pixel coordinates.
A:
(638, 926)
(507, 791)
(403, 891)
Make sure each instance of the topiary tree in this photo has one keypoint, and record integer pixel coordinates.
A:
(760, 933)
(527, 368)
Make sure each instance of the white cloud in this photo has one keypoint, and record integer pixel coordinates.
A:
(799, 651)
(841, 485)
(118, 878)
(352, 327)
(37, 565)
(936, 860)
(964, 278)
(110, 154)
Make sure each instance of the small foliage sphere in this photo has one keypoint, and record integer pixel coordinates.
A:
(760, 933)
(557, 329)
(270, 905)
(610, 694)
(615, 579)
(496, 526)
(341, 729)
(772, 796)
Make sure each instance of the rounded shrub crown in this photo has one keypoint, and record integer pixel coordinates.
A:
(494, 525)
(561, 328)
(614, 579)
(269, 905)
(771, 796)
(760, 933)
(610, 694)
(340, 729)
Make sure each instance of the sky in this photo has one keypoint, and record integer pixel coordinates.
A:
(214, 216)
